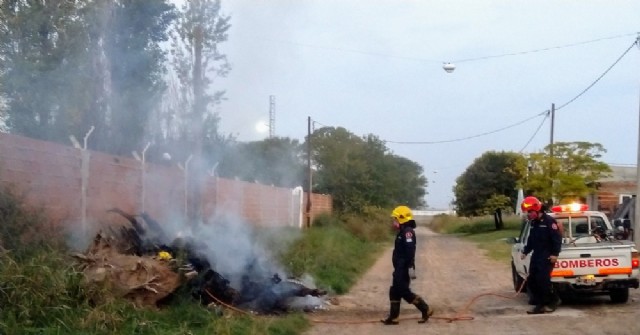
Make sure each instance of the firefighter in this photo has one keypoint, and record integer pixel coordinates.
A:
(545, 241)
(404, 258)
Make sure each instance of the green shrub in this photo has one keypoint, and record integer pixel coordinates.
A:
(373, 225)
(482, 231)
(40, 293)
(21, 228)
(337, 252)
(461, 225)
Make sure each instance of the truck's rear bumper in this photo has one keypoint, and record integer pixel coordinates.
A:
(602, 287)
(621, 283)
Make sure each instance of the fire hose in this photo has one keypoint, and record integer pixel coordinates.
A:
(461, 315)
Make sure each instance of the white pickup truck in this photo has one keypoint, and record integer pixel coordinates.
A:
(591, 260)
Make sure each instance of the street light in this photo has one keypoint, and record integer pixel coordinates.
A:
(449, 67)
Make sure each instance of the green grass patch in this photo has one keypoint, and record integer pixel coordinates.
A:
(482, 231)
(333, 256)
(41, 290)
(337, 250)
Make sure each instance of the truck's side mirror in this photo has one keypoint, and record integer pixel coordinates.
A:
(512, 240)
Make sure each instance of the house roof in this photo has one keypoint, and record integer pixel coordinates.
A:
(621, 173)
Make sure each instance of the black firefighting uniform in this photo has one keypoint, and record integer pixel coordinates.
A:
(545, 241)
(404, 254)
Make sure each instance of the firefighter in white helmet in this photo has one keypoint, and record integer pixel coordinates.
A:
(404, 258)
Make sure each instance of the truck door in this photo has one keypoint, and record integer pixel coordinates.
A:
(522, 265)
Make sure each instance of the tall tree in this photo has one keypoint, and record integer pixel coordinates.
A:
(360, 171)
(197, 59)
(125, 39)
(276, 161)
(70, 65)
(36, 44)
(491, 177)
(571, 174)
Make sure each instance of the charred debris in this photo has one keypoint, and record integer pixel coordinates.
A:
(136, 261)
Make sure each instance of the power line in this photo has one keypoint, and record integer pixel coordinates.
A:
(546, 113)
(535, 133)
(472, 136)
(377, 54)
(600, 77)
(543, 49)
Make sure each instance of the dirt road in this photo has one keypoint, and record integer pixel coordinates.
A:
(451, 272)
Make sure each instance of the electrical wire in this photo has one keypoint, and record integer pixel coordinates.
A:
(376, 54)
(600, 77)
(543, 49)
(472, 136)
(546, 113)
(418, 59)
(535, 133)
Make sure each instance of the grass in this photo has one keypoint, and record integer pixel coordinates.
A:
(482, 231)
(336, 251)
(41, 290)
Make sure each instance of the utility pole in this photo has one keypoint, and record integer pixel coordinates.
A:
(636, 209)
(272, 116)
(551, 175)
(636, 212)
(309, 173)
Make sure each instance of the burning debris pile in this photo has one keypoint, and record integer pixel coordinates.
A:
(137, 261)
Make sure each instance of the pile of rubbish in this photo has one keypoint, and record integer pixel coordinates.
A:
(134, 261)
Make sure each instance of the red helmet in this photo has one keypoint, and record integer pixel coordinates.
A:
(531, 204)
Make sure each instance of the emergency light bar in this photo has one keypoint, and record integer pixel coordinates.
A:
(574, 207)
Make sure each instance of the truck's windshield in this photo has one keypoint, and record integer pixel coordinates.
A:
(578, 226)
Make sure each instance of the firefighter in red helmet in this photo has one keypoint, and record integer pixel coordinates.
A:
(404, 258)
(545, 241)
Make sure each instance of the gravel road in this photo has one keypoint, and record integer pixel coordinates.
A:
(451, 273)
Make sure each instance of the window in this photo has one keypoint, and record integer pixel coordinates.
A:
(622, 198)
(598, 223)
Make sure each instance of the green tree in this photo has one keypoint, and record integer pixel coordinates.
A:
(277, 161)
(487, 181)
(69, 65)
(574, 169)
(196, 61)
(360, 171)
(129, 33)
(36, 44)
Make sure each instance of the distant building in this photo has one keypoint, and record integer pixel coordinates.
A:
(614, 189)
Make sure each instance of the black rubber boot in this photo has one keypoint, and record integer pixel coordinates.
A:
(422, 306)
(539, 309)
(394, 313)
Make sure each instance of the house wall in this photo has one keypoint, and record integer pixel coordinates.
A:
(609, 193)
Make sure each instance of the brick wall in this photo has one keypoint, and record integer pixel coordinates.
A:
(609, 194)
(50, 176)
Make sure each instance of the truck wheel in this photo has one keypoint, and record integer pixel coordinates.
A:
(619, 295)
(517, 280)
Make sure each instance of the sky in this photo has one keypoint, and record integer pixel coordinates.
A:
(375, 67)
